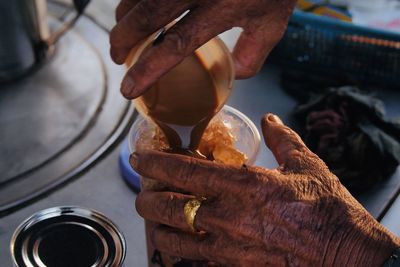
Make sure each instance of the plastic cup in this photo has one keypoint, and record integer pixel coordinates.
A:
(247, 137)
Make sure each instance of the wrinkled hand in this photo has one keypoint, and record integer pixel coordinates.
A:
(263, 23)
(296, 215)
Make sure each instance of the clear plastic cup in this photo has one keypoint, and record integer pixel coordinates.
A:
(247, 137)
(247, 141)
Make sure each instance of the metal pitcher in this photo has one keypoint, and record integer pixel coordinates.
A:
(24, 35)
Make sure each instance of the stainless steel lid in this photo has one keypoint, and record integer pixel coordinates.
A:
(67, 236)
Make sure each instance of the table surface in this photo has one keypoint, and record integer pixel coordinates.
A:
(102, 188)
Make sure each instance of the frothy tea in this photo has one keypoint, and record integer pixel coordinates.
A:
(184, 100)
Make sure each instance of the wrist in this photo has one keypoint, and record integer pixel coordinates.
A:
(372, 247)
(362, 242)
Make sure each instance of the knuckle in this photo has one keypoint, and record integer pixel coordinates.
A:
(298, 161)
(292, 136)
(204, 249)
(143, 17)
(177, 41)
(176, 243)
(188, 172)
(169, 209)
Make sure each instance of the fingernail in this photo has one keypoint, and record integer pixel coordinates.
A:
(127, 86)
(273, 118)
(133, 160)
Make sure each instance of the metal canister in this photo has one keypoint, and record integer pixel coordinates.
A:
(25, 39)
(23, 28)
(67, 236)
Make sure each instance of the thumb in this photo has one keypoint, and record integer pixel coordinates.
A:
(288, 148)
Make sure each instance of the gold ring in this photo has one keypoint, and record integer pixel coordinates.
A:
(190, 209)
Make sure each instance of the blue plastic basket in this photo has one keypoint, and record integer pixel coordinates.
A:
(340, 49)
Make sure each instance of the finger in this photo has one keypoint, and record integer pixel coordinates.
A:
(221, 250)
(168, 208)
(259, 37)
(200, 177)
(164, 208)
(251, 50)
(177, 243)
(141, 21)
(123, 8)
(287, 146)
(195, 29)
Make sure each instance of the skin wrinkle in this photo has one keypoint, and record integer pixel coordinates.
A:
(266, 194)
(146, 18)
(341, 240)
(171, 209)
(178, 42)
(234, 188)
(290, 245)
(351, 252)
(300, 246)
(252, 233)
(203, 247)
(359, 256)
(334, 246)
(287, 243)
(326, 249)
(188, 173)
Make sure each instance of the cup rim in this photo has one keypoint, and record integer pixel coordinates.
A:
(243, 117)
(89, 214)
(230, 61)
(253, 128)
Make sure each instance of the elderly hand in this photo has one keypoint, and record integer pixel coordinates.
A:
(296, 215)
(263, 23)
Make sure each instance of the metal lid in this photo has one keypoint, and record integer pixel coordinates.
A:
(67, 236)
